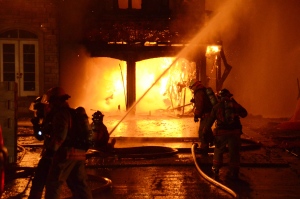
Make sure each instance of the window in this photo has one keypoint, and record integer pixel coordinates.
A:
(19, 60)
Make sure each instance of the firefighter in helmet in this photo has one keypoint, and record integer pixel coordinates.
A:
(59, 163)
(100, 135)
(202, 109)
(68, 162)
(228, 130)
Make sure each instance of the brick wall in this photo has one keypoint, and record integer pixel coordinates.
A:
(39, 17)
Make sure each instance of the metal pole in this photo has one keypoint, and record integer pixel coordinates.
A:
(123, 84)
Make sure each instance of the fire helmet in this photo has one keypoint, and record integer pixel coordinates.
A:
(97, 117)
(194, 82)
(98, 114)
(55, 93)
(224, 93)
(80, 110)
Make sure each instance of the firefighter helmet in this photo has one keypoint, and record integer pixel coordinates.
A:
(194, 82)
(80, 110)
(224, 93)
(97, 116)
(55, 93)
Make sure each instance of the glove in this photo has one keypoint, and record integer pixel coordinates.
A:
(196, 119)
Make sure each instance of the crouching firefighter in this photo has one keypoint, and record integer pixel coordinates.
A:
(64, 149)
(203, 99)
(100, 135)
(228, 130)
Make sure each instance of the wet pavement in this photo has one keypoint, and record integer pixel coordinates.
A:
(162, 166)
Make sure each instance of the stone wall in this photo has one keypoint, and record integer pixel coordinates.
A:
(41, 18)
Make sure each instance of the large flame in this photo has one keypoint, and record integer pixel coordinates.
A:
(106, 85)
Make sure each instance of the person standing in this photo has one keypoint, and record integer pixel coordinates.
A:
(68, 162)
(228, 130)
(42, 131)
(202, 109)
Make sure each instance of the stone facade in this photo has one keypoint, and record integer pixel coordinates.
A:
(40, 18)
(61, 25)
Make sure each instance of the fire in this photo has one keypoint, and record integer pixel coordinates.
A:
(168, 93)
(106, 85)
(212, 49)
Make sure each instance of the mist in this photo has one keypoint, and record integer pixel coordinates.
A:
(263, 54)
(260, 40)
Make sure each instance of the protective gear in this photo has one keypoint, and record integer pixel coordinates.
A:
(196, 119)
(68, 163)
(97, 117)
(212, 97)
(79, 134)
(194, 83)
(202, 110)
(55, 93)
(80, 110)
(37, 128)
(229, 111)
(224, 93)
(40, 177)
(39, 112)
(100, 133)
(227, 132)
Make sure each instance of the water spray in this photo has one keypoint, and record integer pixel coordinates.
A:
(201, 36)
(134, 105)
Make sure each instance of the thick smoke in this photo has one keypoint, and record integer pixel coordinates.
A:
(261, 43)
(263, 56)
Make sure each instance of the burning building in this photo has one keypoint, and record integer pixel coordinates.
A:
(130, 43)
(132, 47)
(107, 54)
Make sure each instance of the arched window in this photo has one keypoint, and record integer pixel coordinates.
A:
(19, 60)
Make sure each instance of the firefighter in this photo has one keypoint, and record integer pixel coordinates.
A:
(202, 109)
(227, 131)
(68, 163)
(100, 134)
(42, 131)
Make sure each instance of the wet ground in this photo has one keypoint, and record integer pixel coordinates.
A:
(162, 166)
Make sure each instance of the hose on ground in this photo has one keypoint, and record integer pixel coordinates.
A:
(210, 180)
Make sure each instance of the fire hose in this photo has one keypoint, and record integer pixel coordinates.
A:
(210, 180)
